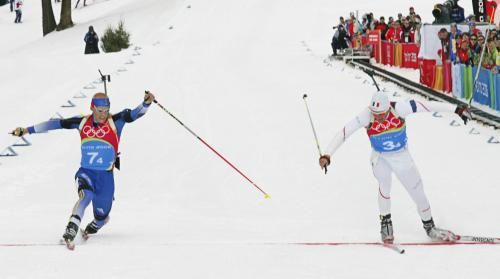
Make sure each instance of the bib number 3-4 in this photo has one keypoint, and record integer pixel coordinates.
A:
(390, 145)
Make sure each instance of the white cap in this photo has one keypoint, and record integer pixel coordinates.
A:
(379, 102)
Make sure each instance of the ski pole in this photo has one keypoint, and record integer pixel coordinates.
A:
(105, 78)
(370, 73)
(211, 148)
(481, 58)
(314, 130)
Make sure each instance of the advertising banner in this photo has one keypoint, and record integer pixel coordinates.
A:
(410, 56)
(482, 87)
(438, 78)
(427, 70)
(467, 82)
(374, 40)
(457, 73)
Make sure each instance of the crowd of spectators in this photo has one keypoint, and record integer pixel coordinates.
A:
(402, 29)
(456, 46)
(466, 47)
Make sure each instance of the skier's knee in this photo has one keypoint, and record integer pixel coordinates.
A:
(84, 184)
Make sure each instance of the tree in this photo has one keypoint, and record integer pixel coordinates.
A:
(48, 20)
(66, 21)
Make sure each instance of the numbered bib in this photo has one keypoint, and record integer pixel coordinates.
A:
(97, 155)
(389, 141)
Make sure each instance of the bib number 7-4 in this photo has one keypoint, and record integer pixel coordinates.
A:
(93, 156)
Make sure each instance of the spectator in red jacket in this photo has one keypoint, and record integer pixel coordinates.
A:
(464, 53)
(393, 35)
(382, 26)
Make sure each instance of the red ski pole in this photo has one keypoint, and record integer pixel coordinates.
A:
(211, 148)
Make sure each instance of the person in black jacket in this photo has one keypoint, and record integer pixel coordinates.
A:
(339, 40)
(91, 41)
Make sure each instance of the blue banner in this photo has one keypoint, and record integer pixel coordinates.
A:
(481, 92)
(497, 92)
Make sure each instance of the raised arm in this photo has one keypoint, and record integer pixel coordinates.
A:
(129, 116)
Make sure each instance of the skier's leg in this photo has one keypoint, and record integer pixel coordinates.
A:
(102, 202)
(85, 195)
(407, 173)
(382, 172)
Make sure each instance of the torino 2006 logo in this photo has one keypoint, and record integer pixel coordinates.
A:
(91, 132)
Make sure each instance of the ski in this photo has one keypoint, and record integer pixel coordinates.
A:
(395, 247)
(461, 240)
(478, 239)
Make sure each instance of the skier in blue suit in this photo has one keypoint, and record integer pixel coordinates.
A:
(100, 136)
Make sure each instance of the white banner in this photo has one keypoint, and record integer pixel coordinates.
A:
(456, 77)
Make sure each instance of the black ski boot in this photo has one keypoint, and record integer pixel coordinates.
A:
(386, 232)
(90, 229)
(70, 234)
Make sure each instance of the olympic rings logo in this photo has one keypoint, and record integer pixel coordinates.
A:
(387, 124)
(91, 132)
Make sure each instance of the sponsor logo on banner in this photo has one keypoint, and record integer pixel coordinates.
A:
(373, 38)
(482, 88)
(411, 57)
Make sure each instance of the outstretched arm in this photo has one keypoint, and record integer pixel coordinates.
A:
(408, 107)
(69, 123)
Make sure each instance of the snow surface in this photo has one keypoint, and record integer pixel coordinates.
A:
(235, 73)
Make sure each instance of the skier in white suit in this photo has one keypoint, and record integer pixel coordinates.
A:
(385, 124)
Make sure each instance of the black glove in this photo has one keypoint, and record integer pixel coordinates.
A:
(464, 112)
